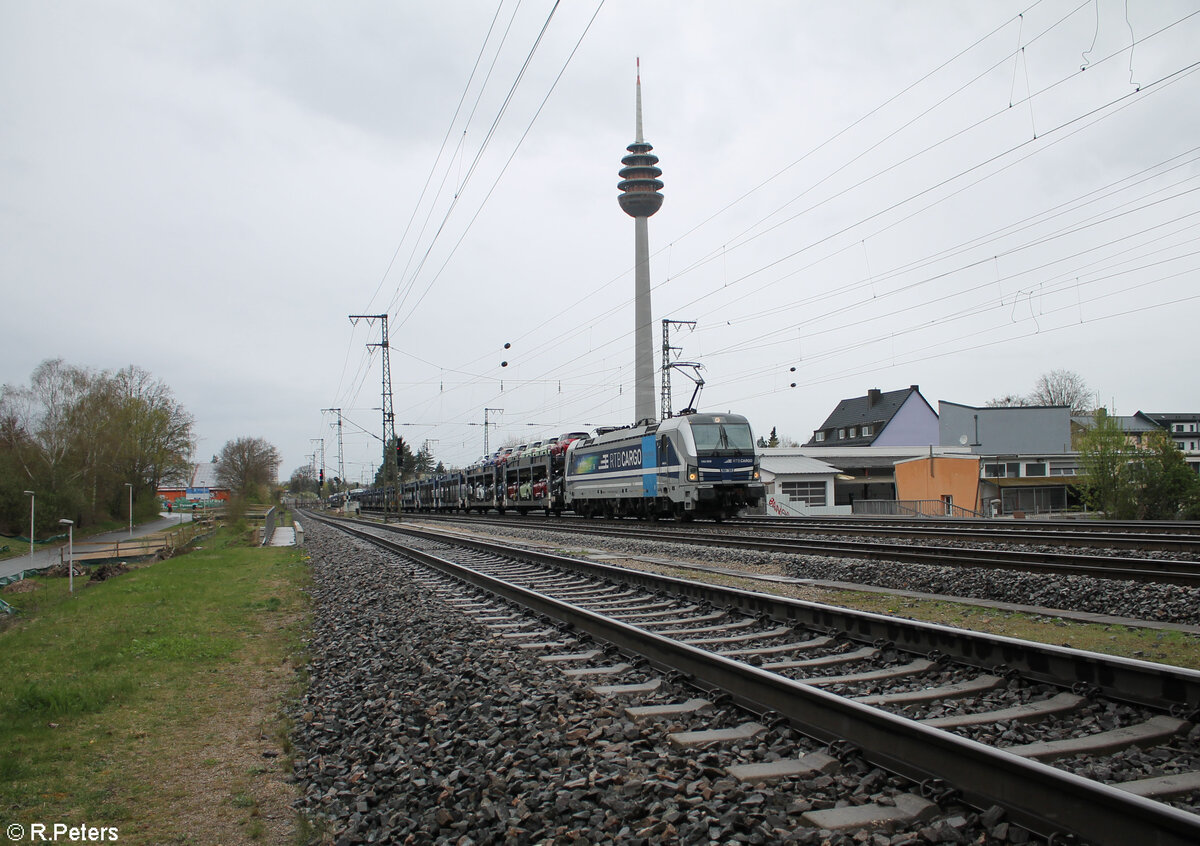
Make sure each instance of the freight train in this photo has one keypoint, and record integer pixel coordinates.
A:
(693, 465)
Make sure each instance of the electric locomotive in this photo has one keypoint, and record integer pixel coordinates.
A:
(694, 465)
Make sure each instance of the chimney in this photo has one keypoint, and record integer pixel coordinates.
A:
(873, 397)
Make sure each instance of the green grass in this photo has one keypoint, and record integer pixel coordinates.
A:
(16, 548)
(114, 701)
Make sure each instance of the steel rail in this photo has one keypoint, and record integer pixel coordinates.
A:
(992, 533)
(1177, 536)
(1127, 679)
(1046, 800)
(1185, 573)
(1087, 527)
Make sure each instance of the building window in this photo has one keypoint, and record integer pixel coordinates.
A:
(993, 471)
(1062, 471)
(1033, 500)
(809, 493)
(854, 431)
(867, 431)
(841, 434)
(1035, 469)
(819, 436)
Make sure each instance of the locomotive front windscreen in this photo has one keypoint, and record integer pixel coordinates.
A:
(721, 437)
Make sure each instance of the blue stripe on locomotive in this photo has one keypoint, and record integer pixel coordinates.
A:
(649, 463)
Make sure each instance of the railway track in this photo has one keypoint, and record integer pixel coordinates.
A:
(1176, 536)
(923, 701)
(1179, 537)
(1101, 564)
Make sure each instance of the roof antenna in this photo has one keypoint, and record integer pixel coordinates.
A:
(638, 133)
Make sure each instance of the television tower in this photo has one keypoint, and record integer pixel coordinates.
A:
(641, 197)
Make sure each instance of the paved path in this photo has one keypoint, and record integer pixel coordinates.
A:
(283, 536)
(47, 556)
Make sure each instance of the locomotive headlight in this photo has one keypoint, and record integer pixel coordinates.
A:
(754, 475)
(693, 474)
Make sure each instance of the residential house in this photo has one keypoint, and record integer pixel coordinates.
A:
(1184, 429)
(880, 419)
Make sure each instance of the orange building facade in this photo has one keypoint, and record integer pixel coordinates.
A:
(953, 480)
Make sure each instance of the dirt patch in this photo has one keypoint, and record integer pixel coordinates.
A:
(62, 571)
(23, 586)
(225, 778)
(108, 571)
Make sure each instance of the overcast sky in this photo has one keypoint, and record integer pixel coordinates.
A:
(961, 196)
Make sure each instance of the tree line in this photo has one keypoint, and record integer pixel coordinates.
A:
(412, 465)
(79, 439)
(76, 437)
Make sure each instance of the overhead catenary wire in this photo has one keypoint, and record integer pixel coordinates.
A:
(573, 363)
(1029, 141)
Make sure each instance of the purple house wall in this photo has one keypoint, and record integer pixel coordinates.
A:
(915, 424)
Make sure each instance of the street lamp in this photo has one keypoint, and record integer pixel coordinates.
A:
(32, 499)
(70, 524)
(130, 486)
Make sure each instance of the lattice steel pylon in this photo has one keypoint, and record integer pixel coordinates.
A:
(665, 399)
(486, 423)
(389, 417)
(341, 463)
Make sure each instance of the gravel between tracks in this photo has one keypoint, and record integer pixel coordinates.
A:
(1117, 598)
(418, 727)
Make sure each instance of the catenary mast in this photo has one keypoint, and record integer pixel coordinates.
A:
(641, 197)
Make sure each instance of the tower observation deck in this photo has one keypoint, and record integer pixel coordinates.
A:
(641, 197)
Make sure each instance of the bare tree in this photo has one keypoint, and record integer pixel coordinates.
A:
(41, 415)
(1058, 387)
(1064, 387)
(303, 480)
(246, 465)
(1006, 401)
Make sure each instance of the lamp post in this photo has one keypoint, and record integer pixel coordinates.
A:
(70, 524)
(130, 486)
(32, 499)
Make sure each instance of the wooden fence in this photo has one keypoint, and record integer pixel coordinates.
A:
(139, 547)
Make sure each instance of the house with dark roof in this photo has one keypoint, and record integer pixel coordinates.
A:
(1137, 427)
(1184, 429)
(880, 419)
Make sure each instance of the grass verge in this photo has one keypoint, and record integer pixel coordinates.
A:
(152, 702)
